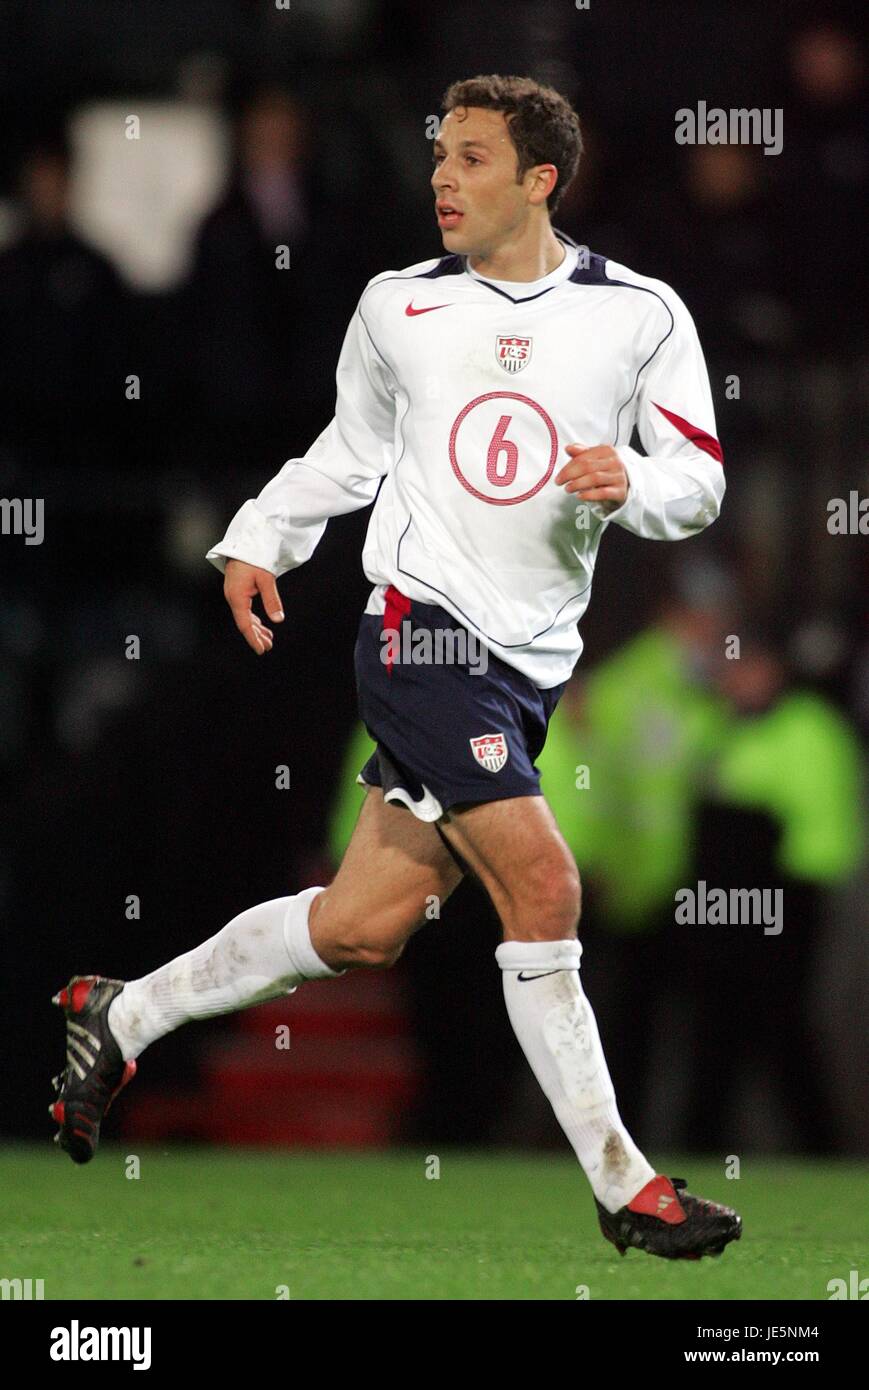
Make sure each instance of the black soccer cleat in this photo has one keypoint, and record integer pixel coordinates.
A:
(680, 1227)
(95, 1069)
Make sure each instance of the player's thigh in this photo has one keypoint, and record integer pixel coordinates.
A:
(516, 849)
(393, 865)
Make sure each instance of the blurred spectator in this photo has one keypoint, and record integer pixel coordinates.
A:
(267, 311)
(62, 310)
(819, 186)
(722, 250)
(783, 813)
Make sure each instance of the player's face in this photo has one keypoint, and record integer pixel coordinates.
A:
(478, 201)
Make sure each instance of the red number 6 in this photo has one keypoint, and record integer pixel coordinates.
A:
(498, 445)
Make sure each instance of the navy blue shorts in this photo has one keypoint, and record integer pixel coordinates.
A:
(452, 723)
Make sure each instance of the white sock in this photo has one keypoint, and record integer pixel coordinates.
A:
(558, 1033)
(263, 953)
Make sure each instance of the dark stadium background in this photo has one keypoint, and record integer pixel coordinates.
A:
(155, 777)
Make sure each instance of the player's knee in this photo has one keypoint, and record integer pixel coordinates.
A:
(373, 944)
(372, 955)
(549, 902)
(560, 899)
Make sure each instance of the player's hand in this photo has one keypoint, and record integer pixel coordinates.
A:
(242, 583)
(595, 474)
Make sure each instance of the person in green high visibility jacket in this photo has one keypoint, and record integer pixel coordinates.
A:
(625, 759)
(795, 756)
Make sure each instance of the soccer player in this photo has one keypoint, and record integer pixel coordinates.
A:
(485, 404)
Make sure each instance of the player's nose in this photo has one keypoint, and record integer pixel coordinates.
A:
(442, 178)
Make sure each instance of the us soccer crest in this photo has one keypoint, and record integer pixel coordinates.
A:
(490, 750)
(512, 353)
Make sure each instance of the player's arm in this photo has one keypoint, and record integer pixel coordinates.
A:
(676, 488)
(279, 530)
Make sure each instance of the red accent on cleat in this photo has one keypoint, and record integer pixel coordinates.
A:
(129, 1073)
(61, 998)
(58, 1112)
(80, 991)
(658, 1198)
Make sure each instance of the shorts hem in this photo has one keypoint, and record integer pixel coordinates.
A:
(479, 794)
(454, 797)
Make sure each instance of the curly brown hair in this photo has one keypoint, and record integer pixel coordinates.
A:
(543, 125)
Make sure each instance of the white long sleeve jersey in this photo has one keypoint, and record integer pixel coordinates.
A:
(457, 397)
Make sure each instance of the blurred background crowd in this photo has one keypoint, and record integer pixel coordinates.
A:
(157, 367)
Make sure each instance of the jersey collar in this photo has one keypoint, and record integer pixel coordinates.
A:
(520, 292)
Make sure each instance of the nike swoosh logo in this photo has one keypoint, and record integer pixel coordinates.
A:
(412, 313)
(526, 978)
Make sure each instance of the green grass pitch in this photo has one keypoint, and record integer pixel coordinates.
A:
(201, 1223)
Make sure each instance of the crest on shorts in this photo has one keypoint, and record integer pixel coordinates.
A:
(490, 750)
(512, 353)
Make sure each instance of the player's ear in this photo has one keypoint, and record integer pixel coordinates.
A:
(545, 177)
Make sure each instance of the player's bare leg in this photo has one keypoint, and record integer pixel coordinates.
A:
(515, 848)
(393, 864)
